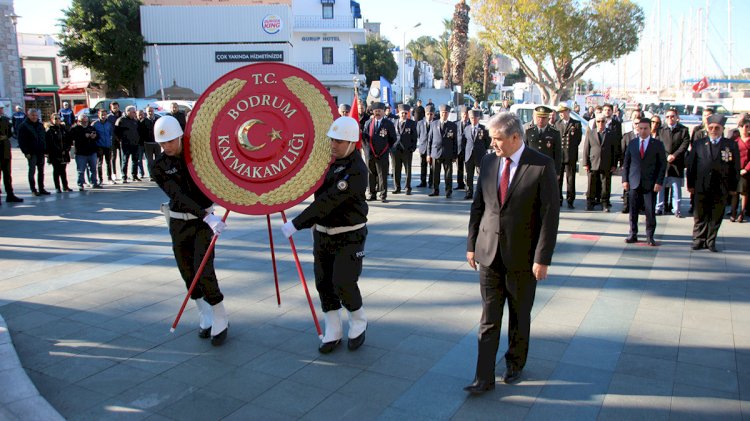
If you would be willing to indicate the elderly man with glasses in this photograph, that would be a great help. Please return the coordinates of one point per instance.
(599, 160)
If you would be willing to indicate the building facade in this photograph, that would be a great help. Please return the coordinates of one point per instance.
(11, 80)
(194, 42)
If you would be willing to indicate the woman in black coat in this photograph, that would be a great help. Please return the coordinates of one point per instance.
(58, 153)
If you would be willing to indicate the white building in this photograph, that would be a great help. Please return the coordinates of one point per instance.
(406, 74)
(194, 42)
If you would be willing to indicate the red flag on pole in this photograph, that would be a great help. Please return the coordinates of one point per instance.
(701, 85)
(354, 113)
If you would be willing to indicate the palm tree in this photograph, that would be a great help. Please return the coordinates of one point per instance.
(459, 41)
(486, 70)
(444, 49)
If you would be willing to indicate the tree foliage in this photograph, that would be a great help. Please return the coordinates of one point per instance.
(425, 48)
(376, 60)
(556, 41)
(459, 41)
(105, 36)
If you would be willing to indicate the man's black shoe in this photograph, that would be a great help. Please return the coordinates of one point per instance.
(631, 239)
(650, 241)
(448, 195)
(397, 191)
(479, 387)
(589, 208)
(434, 193)
(461, 187)
(511, 376)
(697, 246)
(713, 249)
(421, 185)
(468, 196)
(660, 212)
(328, 347)
(408, 192)
(383, 200)
(357, 342)
(625, 210)
(220, 338)
(204, 333)
(570, 205)
(12, 198)
(44, 192)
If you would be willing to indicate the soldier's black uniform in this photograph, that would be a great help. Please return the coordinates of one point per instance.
(403, 151)
(546, 141)
(339, 205)
(570, 137)
(377, 139)
(190, 236)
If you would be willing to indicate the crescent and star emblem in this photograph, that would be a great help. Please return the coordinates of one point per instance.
(245, 141)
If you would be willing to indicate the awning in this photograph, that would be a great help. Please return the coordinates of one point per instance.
(38, 94)
(43, 88)
(356, 11)
(77, 88)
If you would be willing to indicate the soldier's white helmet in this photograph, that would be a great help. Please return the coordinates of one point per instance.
(167, 128)
(344, 128)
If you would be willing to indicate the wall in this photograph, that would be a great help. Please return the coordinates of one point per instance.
(10, 65)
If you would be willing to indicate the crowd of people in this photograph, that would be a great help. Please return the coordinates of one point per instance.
(112, 146)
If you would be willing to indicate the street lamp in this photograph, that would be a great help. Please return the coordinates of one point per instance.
(403, 60)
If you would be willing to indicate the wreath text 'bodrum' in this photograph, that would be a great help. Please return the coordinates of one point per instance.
(256, 140)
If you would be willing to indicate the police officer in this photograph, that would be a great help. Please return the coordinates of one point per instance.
(475, 142)
(570, 135)
(192, 224)
(66, 114)
(442, 147)
(378, 136)
(544, 138)
(403, 149)
(338, 216)
(712, 175)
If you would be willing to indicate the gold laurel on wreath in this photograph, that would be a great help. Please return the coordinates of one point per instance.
(218, 183)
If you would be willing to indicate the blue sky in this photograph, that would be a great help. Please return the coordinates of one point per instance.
(397, 15)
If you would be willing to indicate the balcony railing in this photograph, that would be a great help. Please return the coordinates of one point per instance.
(317, 68)
(317, 22)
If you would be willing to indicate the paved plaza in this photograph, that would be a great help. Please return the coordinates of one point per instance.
(89, 289)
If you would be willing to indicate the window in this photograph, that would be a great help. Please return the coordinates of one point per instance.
(327, 11)
(327, 55)
(65, 71)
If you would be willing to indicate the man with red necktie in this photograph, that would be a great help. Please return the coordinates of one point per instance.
(512, 235)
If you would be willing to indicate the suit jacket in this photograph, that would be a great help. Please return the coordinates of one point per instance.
(406, 136)
(600, 156)
(713, 170)
(626, 138)
(475, 147)
(647, 171)
(382, 139)
(522, 231)
(676, 142)
(546, 141)
(614, 128)
(570, 136)
(443, 143)
(423, 131)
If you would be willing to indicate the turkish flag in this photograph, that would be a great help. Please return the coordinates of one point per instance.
(354, 113)
(701, 85)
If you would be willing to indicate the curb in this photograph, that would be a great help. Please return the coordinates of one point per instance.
(20, 400)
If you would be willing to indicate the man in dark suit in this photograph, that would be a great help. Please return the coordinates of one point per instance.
(423, 133)
(570, 135)
(699, 132)
(403, 149)
(442, 146)
(635, 117)
(676, 140)
(418, 113)
(712, 174)
(643, 169)
(461, 124)
(475, 142)
(599, 161)
(543, 137)
(378, 137)
(512, 235)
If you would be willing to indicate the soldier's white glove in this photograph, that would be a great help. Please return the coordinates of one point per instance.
(216, 224)
(288, 229)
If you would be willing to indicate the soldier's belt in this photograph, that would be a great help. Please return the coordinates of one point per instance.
(338, 230)
(187, 216)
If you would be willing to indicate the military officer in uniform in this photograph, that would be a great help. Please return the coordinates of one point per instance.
(192, 225)
(570, 135)
(442, 146)
(544, 138)
(461, 124)
(423, 133)
(475, 142)
(338, 216)
(403, 149)
(712, 175)
(378, 137)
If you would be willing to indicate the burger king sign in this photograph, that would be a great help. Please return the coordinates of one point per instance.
(271, 24)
